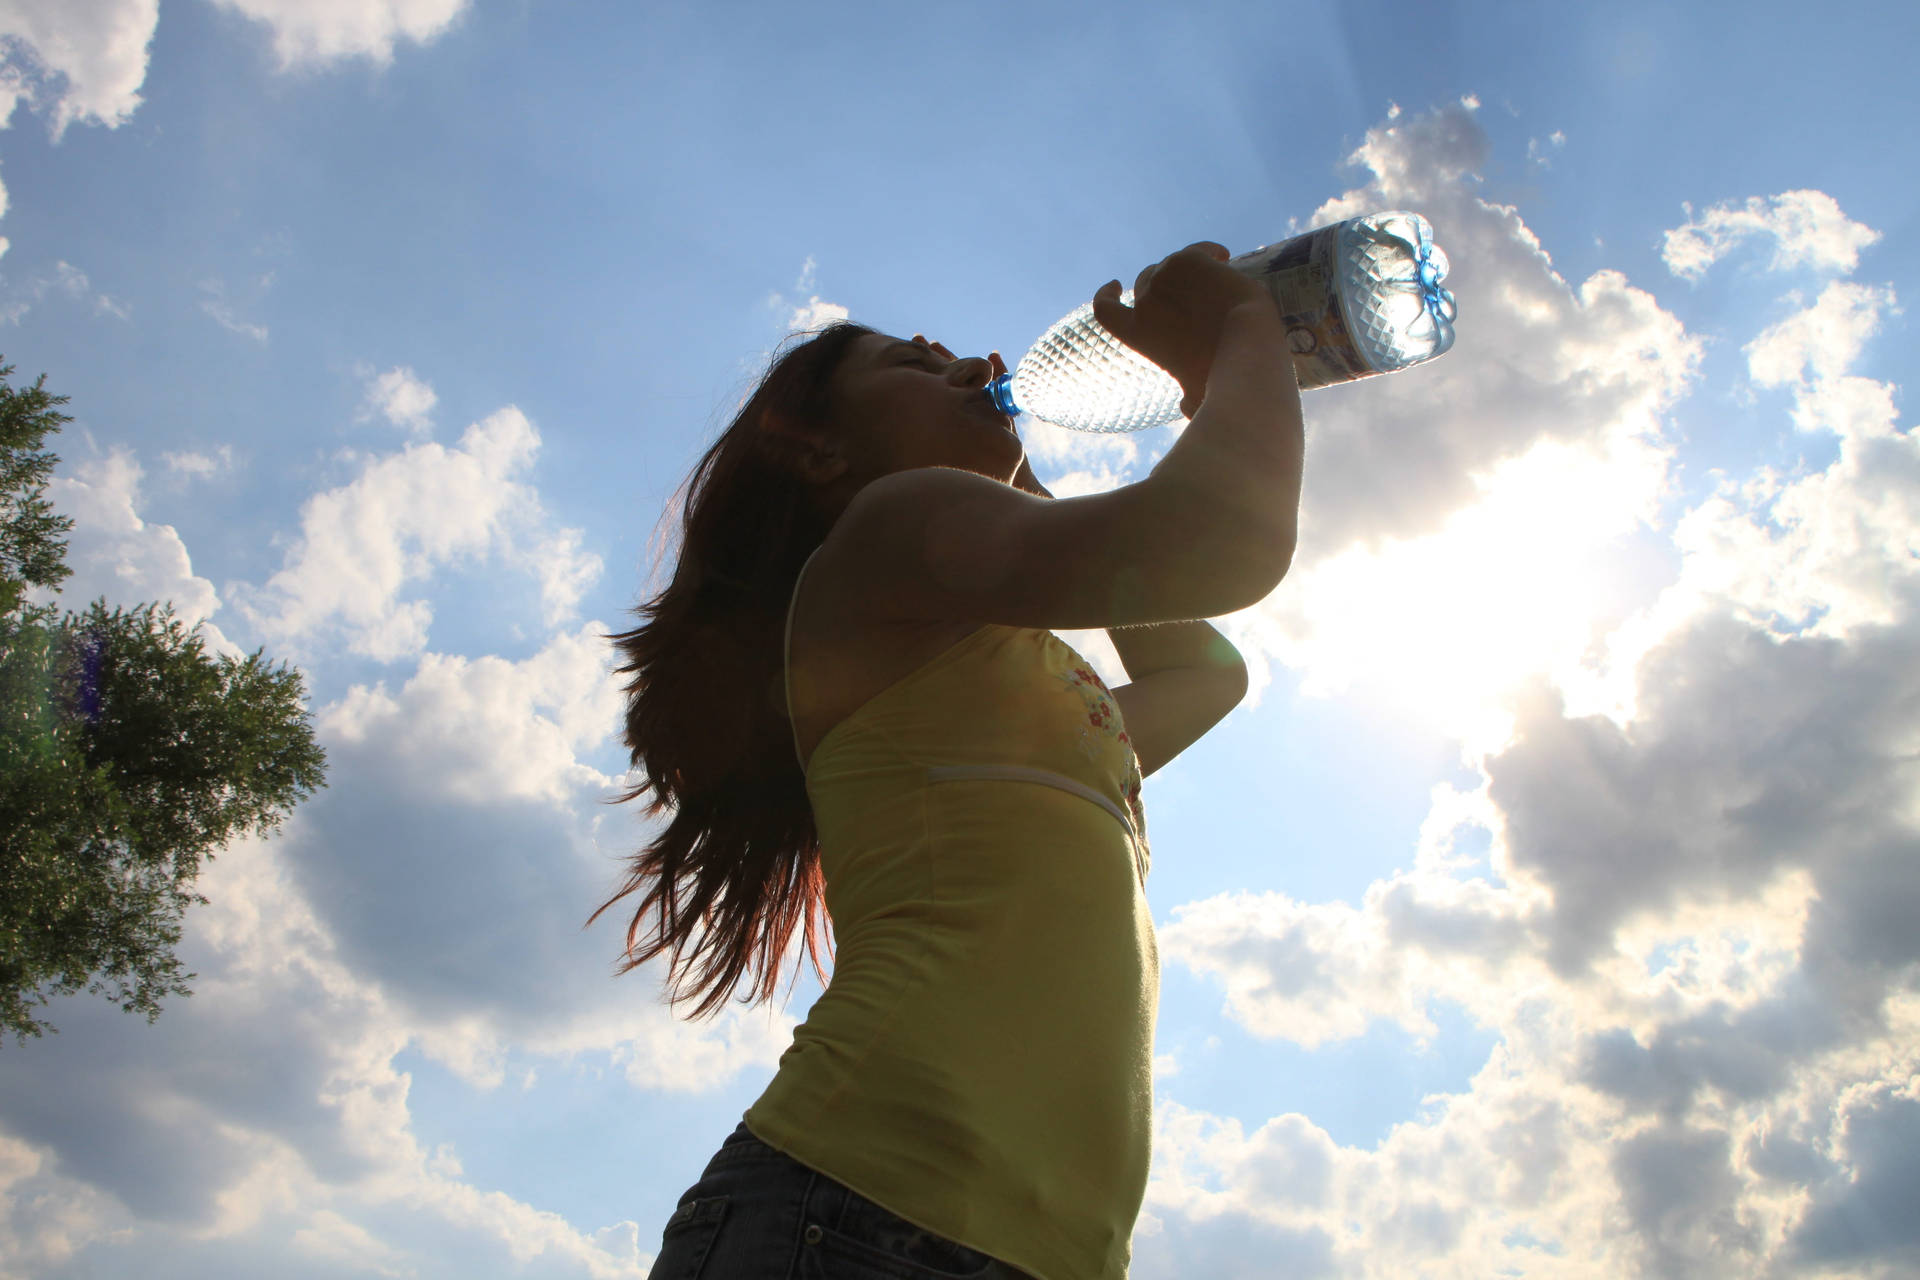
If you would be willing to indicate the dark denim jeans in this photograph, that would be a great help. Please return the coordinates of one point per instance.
(756, 1214)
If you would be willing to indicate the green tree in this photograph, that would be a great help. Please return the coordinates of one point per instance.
(128, 757)
(32, 552)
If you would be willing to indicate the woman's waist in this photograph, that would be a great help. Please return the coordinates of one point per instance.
(978, 857)
(883, 796)
(1056, 1015)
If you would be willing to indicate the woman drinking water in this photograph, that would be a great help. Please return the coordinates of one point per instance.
(849, 700)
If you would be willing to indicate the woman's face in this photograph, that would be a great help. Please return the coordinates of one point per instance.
(902, 404)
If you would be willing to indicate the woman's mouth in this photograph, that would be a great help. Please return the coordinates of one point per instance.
(986, 402)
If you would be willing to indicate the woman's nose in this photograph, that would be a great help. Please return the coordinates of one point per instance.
(970, 372)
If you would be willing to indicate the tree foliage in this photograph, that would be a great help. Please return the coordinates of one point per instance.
(32, 552)
(128, 757)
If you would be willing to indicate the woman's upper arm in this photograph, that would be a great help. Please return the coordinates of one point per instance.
(937, 544)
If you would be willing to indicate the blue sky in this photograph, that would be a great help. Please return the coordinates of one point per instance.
(1547, 910)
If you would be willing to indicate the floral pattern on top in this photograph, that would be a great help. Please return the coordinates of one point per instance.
(1103, 722)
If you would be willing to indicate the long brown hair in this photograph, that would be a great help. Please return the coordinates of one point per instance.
(737, 867)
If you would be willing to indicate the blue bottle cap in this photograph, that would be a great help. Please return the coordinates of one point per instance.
(1001, 389)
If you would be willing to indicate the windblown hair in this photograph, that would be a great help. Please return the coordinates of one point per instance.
(736, 870)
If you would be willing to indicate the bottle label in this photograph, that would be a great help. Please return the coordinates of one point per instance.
(1302, 275)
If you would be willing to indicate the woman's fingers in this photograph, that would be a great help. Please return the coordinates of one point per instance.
(1114, 316)
(1202, 248)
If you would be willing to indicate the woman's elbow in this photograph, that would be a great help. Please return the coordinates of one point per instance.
(1254, 567)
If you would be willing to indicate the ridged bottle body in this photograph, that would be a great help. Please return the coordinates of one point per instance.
(1359, 298)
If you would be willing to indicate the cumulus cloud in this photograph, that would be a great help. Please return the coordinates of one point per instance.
(80, 61)
(477, 769)
(403, 399)
(200, 466)
(406, 517)
(1689, 927)
(1807, 229)
(76, 61)
(799, 314)
(1830, 552)
(116, 554)
(1680, 894)
(1537, 360)
(45, 1218)
(430, 901)
(1861, 1210)
(1305, 973)
(1456, 516)
(1821, 341)
(485, 728)
(1072, 463)
(264, 1122)
(316, 32)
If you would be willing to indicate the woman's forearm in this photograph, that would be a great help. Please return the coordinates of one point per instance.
(1240, 458)
(1185, 678)
(1166, 646)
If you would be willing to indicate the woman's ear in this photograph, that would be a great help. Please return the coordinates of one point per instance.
(821, 462)
(818, 459)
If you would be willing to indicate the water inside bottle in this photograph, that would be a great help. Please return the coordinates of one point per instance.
(1078, 375)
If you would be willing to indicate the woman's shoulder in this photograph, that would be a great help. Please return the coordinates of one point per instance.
(843, 651)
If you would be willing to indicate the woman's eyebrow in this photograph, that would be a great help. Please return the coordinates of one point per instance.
(896, 347)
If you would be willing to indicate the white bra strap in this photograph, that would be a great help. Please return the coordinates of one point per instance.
(786, 658)
(1046, 778)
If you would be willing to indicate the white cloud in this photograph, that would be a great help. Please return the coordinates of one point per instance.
(1304, 973)
(298, 1145)
(565, 570)
(224, 315)
(307, 32)
(404, 518)
(1447, 624)
(814, 313)
(402, 399)
(800, 316)
(83, 61)
(1541, 154)
(1690, 930)
(216, 303)
(1823, 340)
(1833, 552)
(1072, 463)
(64, 280)
(1575, 1151)
(342, 1242)
(267, 1120)
(116, 554)
(485, 728)
(1807, 229)
(1458, 517)
(200, 466)
(45, 1218)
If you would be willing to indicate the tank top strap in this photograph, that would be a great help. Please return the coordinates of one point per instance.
(786, 656)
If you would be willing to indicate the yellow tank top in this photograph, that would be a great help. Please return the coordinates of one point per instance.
(981, 1062)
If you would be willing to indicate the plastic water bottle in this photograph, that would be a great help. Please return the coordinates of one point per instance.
(1359, 298)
